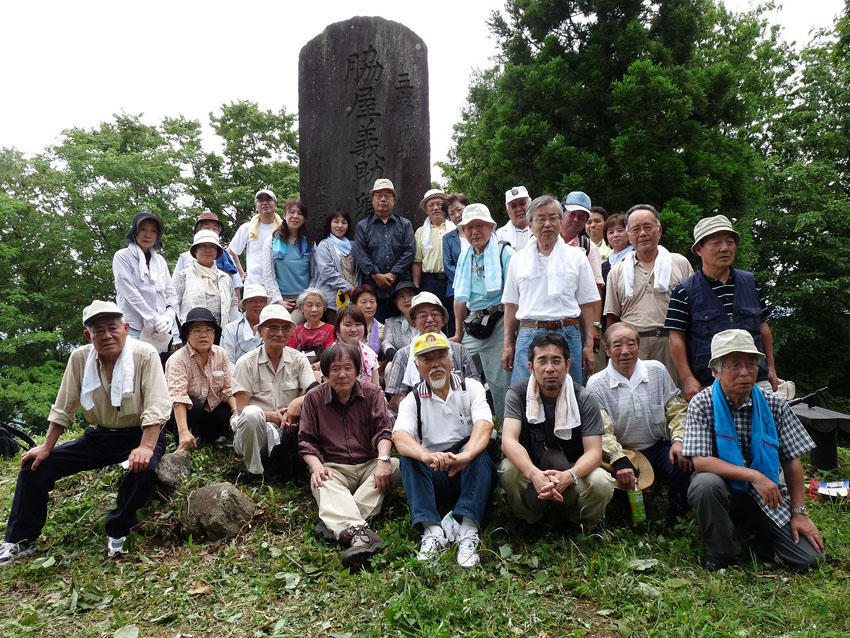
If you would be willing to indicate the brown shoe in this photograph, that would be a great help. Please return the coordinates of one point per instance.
(364, 544)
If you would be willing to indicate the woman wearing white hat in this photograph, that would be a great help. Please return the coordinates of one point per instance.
(479, 314)
(202, 284)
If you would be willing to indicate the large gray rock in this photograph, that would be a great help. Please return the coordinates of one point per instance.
(173, 468)
(216, 511)
(363, 114)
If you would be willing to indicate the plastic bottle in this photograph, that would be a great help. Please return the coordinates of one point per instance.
(638, 509)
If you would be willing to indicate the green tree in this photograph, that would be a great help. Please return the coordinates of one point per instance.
(628, 101)
(802, 237)
(258, 148)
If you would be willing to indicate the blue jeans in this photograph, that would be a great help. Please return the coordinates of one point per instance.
(524, 339)
(469, 489)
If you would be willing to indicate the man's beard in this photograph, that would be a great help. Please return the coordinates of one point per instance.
(439, 384)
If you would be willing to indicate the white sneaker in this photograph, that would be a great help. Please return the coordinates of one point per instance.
(467, 550)
(9, 552)
(115, 546)
(451, 528)
(432, 546)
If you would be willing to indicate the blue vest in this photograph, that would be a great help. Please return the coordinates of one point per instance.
(708, 317)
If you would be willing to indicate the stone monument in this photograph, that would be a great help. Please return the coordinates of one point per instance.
(363, 114)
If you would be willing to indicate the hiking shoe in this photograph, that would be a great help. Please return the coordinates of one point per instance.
(432, 547)
(115, 546)
(451, 528)
(322, 533)
(467, 550)
(364, 544)
(10, 552)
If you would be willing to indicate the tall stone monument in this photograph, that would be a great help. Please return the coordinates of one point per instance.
(363, 114)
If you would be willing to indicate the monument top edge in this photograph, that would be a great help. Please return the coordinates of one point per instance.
(353, 20)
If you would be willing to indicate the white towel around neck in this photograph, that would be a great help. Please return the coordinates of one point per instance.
(123, 377)
(663, 270)
(426, 232)
(567, 415)
(530, 265)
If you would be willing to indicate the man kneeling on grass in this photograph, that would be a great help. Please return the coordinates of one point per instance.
(119, 383)
(345, 439)
(738, 437)
(442, 432)
(552, 440)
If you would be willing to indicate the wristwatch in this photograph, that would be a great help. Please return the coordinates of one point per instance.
(572, 473)
(800, 510)
(597, 324)
(385, 458)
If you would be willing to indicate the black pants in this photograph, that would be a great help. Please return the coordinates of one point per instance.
(97, 447)
(207, 426)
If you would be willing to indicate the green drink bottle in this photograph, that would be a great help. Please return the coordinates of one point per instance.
(636, 503)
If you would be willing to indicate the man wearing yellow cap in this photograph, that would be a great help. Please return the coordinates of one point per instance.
(442, 432)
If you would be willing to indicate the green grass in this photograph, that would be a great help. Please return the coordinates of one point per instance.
(275, 579)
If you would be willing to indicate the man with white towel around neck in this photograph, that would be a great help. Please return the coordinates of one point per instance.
(639, 288)
(120, 385)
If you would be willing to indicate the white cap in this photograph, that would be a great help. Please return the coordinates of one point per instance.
(517, 192)
(274, 312)
(266, 191)
(98, 308)
(252, 291)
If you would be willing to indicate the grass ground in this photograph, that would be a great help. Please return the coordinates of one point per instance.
(275, 579)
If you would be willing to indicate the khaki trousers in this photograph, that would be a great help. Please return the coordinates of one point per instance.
(658, 348)
(349, 497)
(586, 501)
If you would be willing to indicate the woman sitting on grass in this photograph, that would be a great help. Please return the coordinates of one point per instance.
(199, 382)
(314, 335)
(351, 328)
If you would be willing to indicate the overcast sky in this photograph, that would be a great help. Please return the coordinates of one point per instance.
(75, 63)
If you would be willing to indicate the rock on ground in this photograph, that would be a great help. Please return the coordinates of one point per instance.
(173, 468)
(216, 511)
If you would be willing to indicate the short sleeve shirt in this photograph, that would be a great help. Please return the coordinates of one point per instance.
(268, 388)
(187, 380)
(444, 422)
(254, 258)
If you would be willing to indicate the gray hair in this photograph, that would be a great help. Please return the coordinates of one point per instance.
(543, 200)
(638, 207)
(302, 298)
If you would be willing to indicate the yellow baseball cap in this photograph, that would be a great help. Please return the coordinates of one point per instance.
(428, 342)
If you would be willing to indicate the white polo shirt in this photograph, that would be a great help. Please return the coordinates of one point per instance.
(444, 423)
(530, 291)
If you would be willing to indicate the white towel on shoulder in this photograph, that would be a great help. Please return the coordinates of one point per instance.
(663, 270)
(123, 376)
(567, 415)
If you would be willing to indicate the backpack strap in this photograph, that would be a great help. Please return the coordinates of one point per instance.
(585, 243)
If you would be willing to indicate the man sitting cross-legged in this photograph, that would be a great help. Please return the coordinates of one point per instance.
(345, 438)
(442, 432)
(552, 440)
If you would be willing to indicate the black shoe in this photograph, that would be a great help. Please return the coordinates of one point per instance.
(252, 480)
(364, 544)
(714, 563)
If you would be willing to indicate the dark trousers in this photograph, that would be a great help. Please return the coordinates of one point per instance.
(678, 480)
(468, 491)
(97, 447)
(207, 426)
(729, 517)
(437, 283)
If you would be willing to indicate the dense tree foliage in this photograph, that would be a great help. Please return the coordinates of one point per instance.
(64, 212)
(694, 109)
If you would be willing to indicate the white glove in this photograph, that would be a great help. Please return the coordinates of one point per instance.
(162, 323)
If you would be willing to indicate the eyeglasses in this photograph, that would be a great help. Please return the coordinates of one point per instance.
(551, 219)
(201, 332)
(277, 329)
(750, 366)
(643, 228)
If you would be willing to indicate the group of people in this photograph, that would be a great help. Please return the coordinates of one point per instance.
(426, 342)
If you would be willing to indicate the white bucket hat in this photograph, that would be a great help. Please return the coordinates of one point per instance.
(430, 194)
(730, 341)
(426, 298)
(206, 237)
(712, 225)
(382, 184)
(252, 291)
(475, 212)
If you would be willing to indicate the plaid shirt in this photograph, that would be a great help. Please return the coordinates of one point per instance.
(794, 441)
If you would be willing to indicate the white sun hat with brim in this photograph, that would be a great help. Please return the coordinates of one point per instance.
(730, 341)
(476, 212)
(274, 312)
